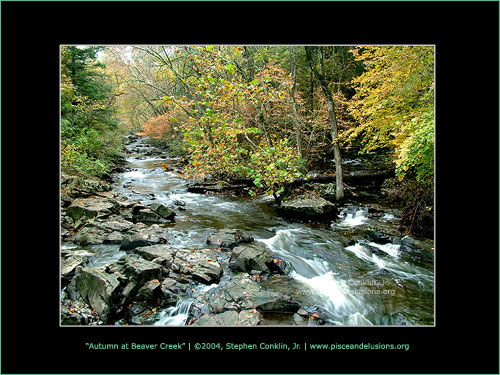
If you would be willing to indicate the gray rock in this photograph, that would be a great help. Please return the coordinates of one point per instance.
(114, 238)
(230, 318)
(92, 207)
(129, 291)
(197, 264)
(378, 237)
(77, 313)
(308, 208)
(141, 271)
(228, 238)
(254, 257)
(100, 289)
(299, 320)
(113, 223)
(150, 292)
(172, 290)
(416, 251)
(127, 244)
(241, 293)
(69, 265)
(163, 211)
(90, 236)
(200, 265)
(147, 216)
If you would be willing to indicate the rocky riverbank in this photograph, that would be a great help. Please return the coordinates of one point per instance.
(227, 278)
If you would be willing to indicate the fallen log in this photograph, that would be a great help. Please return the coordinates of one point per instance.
(357, 178)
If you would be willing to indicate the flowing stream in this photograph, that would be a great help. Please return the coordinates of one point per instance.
(332, 266)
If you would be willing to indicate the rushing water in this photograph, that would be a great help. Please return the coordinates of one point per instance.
(332, 265)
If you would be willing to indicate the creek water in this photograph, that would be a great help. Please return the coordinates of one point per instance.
(331, 265)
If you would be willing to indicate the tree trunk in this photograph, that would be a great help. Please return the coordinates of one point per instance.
(296, 119)
(332, 119)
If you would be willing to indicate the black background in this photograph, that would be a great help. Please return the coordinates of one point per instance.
(465, 339)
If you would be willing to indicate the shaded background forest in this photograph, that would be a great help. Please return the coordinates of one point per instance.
(269, 113)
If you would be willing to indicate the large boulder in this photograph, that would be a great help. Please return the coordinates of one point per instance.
(69, 264)
(73, 187)
(230, 318)
(207, 186)
(150, 291)
(416, 251)
(113, 223)
(173, 290)
(201, 265)
(116, 230)
(148, 216)
(308, 208)
(75, 312)
(228, 238)
(254, 257)
(90, 236)
(143, 235)
(141, 271)
(196, 264)
(162, 211)
(91, 207)
(101, 290)
(242, 293)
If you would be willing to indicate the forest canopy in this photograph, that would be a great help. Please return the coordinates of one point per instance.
(269, 113)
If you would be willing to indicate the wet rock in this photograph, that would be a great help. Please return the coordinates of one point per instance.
(254, 257)
(73, 187)
(308, 208)
(197, 264)
(77, 313)
(299, 320)
(230, 318)
(66, 199)
(113, 223)
(378, 237)
(128, 211)
(129, 290)
(172, 290)
(92, 207)
(102, 290)
(93, 186)
(66, 222)
(163, 211)
(90, 236)
(66, 253)
(416, 251)
(153, 233)
(65, 234)
(147, 216)
(201, 265)
(162, 253)
(69, 265)
(208, 186)
(127, 244)
(241, 293)
(150, 292)
(141, 271)
(374, 250)
(117, 230)
(228, 238)
(405, 319)
(114, 238)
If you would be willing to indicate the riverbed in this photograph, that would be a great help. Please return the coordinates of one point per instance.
(336, 267)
